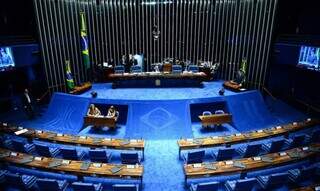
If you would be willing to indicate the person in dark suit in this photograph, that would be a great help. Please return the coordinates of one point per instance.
(27, 104)
(132, 61)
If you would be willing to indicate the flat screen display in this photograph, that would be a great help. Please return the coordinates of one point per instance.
(309, 57)
(6, 59)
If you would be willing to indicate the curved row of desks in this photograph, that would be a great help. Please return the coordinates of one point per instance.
(245, 165)
(92, 142)
(79, 168)
(206, 142)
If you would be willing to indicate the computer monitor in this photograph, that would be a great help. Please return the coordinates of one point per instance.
(309, 57)
(6, 59)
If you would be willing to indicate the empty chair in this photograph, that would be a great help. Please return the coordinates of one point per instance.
(125, 187)
(3, 176)
(194, 157)
(176, 69)
(250, 150)
(136, 69)
(274, 146)
(314, 137)
(80, 186)
(44, 150)
(72, 154)
(299, 175)
(99, 155)
(51, 184)
(193, 68)
(130, 158)
(241, 185)
(273, 181)
(207, 186)
(119, 69)
(297, 141)
(22, 146)
(224, 154)
(20, 181)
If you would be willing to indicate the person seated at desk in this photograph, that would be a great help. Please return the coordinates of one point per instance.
(112, 112)
(93, 111)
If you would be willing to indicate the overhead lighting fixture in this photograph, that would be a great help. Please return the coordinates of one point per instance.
(154, 2)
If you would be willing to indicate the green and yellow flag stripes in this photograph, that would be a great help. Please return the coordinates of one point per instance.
(70, 82)
(84, 41)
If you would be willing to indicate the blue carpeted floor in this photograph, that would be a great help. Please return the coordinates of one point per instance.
(161, 116)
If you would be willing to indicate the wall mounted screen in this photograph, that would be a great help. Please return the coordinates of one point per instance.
(6, 59)
(309, 58)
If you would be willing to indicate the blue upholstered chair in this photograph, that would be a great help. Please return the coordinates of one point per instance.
(193, 68)
(297, 141)
(207, 186)
(250, 150)
(130, 158)
(194, 157)
(44, 150)
(22, 146)
(3, 176)
(274, 146)
(51, 184)
(273, 181)
(136, 69)
(119, 69)
(224, 154)
(299, 175)
(314, 137)
(80, 186)
(241, 185)
(125, 187)
(23, 182)
(72, 154)
(176, 69)
(98, 155)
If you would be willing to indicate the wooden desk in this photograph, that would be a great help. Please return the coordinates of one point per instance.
(92, 142)
(249, 164)
(307, 188)
(101, 121)
(232, 86)
(81, 89)
(206, 142)
(71, 166)
(215, 119)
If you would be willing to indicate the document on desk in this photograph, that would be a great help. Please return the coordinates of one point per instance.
(6, 154)
(266, 159)
(85, 165)
(115, 169)
(97, 140)
(26, 159)
(210, 166)
(55, 163)
(125, 142)
(239, 164)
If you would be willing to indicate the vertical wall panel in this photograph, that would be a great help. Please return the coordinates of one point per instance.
(224, 31)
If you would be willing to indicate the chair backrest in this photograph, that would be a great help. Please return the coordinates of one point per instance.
(98, 155)
(297, 140)
(206, 113)
(124, 187)
(195, 156)
(276, 145)
(18, 145)
(48, 184)
(43, 150)
(219, 112)
(129, 158)
(193, 68)
(119, 69)
(252, 150)
(245, 184)
(207, 186)
(307, 172)
(80, 186)
(136, 69)
(277, 179)
(69, 153)
(315, 136)
(225, 154)
(176, 69)
(14, 179)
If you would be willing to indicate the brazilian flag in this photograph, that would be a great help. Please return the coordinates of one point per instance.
(84, 41)
(70, 82)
